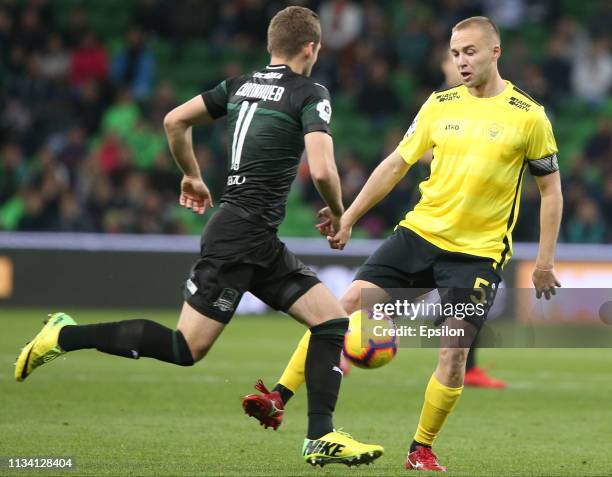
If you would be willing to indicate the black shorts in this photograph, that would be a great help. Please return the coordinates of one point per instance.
(239, 255)
(406, 260)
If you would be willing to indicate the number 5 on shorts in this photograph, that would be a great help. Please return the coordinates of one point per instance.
(480, 295)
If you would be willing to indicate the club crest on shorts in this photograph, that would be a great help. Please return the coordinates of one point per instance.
(227, 300)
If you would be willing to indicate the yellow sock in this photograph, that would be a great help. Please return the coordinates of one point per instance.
(439, 402)
(293, 376)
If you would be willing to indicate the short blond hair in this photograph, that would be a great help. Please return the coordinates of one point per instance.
(291, 29)
(484, 23)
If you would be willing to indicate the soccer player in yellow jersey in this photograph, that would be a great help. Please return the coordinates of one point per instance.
(484, 133)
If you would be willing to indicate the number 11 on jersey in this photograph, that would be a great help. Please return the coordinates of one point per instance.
(245, 116)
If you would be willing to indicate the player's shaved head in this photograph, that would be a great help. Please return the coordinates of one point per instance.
(291, 29)
(484, 24)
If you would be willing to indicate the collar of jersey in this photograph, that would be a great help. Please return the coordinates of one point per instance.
(501, 95)
(276, 67)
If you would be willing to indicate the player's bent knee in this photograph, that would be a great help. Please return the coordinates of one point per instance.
(351, 301)
(199, 332)
(182, 351)
(197, 351)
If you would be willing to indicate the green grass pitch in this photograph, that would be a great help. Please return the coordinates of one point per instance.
(121, 417)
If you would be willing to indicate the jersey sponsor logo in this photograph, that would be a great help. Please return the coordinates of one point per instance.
(227, 300)
(324, 109)
(452, 127)
(235, 180)
(412, 128)
(265, 92)
(514, 101)
(271, 75)
(494, 131)
(447, 96)
(330, 449)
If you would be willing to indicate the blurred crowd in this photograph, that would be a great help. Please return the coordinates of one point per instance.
(84, 89)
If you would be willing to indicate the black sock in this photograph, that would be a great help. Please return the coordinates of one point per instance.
(414, 445)
(131, 339)
(471, 357)
(285, 393)
(323, 374)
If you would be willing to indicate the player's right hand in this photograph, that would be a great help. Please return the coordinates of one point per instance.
(195, 195)
(341, 238)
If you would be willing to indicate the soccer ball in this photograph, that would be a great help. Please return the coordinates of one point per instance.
(363, 346)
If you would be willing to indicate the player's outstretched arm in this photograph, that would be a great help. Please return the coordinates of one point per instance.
(384, 178)
(178, 124)
(320, 153)
(551, 209)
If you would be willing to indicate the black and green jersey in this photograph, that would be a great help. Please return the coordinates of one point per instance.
(268, 113)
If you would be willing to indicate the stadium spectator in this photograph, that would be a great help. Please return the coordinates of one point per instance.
(134, 67)
(31, 32)
(72, 217)
(6, 33)
(152, 16)
(414, 43)
(110, 154)
(35, 218)
(508, 14)
(353, 175)
(89, 61)
(12, 171)
(587, 226)
(54, 60)
(592, 72)
(163, 100)
(77, 27)
(71, 151)
(557, 70)
(89, 105)
(375, 97)
(341, 25)
(599, 147)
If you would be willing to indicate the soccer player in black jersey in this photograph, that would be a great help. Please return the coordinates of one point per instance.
(272, 115)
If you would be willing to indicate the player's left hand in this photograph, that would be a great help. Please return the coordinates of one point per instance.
(341, 238)
(329, 224)
(195, 195)
(545, 282)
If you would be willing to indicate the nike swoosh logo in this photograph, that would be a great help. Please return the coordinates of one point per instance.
(336, 368)
(274, 411)
(415, 465)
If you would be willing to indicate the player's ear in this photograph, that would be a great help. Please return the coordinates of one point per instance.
(496, 52)
(309, 49)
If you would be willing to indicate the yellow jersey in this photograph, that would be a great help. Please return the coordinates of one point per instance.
(481, 147)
